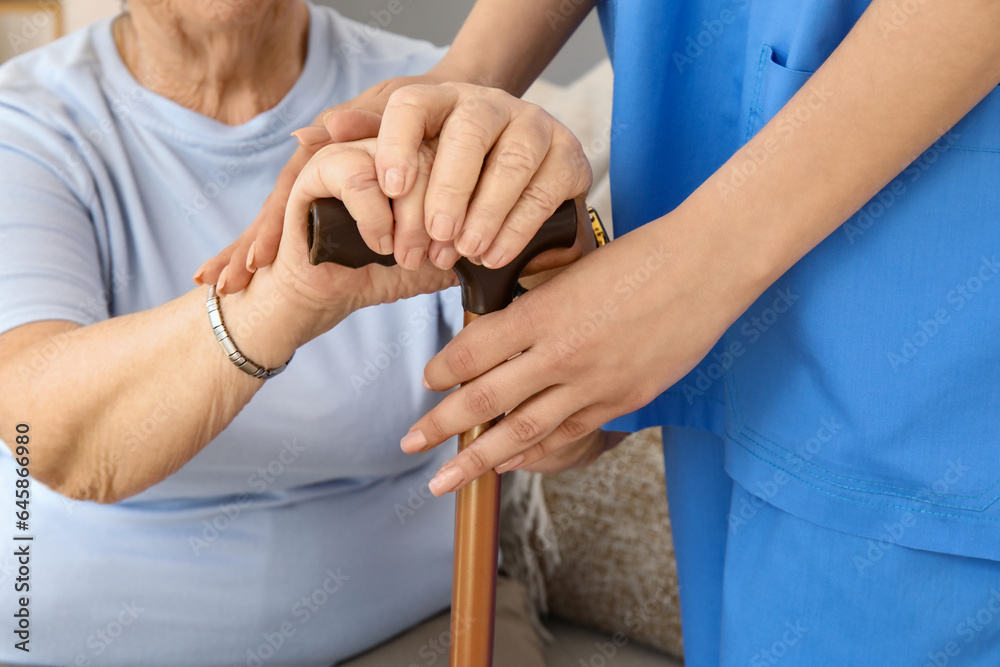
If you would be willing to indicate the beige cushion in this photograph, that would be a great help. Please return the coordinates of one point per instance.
(616, 570)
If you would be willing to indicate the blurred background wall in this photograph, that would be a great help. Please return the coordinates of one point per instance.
(25, 24)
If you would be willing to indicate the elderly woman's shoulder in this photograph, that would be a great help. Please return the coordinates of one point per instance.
(70, 57)
(53, 78)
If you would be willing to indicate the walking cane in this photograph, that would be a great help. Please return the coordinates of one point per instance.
(333, 237)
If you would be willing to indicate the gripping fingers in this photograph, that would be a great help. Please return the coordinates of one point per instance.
(477, 402)
(412, 114)
(410, 239)
(467, 136)
(347, 172)
(554, 451)
(486, 343)
(509, 168)
(524, 428)
(564, 174)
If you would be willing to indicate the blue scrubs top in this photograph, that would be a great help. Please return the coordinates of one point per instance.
(863, 385)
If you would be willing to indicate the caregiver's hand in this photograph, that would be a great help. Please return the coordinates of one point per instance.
(503, 166)
(578, 454)
(257, 246)
(599, 340)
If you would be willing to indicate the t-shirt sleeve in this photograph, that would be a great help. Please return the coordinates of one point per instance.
(50, 264)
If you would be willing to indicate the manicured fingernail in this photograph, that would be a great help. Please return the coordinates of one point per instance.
(326, 117)
(394, 182)
(446, 258)
(427, 385)
(468, 244)
(250, 265)
(494, 258)
(510, 464)
(414, 258)
(442, 227)
(385, 245)
(413, 442)
(197, 275)
(446, 480)
(307, 136)
(220, 286)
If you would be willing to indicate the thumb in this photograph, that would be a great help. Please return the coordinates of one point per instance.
(351, 124)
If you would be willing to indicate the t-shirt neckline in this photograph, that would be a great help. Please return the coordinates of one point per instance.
(187, 125)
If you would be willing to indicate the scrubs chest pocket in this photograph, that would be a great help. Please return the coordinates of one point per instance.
(870, 369)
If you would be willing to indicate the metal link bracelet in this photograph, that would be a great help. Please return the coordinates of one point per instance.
(229, 347)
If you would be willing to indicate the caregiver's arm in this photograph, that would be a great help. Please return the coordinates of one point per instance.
(117, 406)
(507, 43)
(877, 102)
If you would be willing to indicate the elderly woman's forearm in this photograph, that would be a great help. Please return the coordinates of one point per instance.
(125, 402)
(507, 43)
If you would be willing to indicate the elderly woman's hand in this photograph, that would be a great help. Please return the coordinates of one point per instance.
(257, 247)
(347, 171)
(503, 167)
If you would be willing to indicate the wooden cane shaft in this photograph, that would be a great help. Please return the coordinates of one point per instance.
(473, 597)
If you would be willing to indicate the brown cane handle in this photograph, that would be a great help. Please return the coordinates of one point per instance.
(334, 237)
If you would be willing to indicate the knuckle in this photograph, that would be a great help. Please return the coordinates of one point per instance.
(434, 428)
(469, 132)
(482, 401)
(450, 193)
(573, 429)
(523, 428)
(539, 117)
(480, 462)
(542, 449)
(407, 97)
(513, 236)
(460, 360)
(517, 156)
(540, 197)
(359, 181)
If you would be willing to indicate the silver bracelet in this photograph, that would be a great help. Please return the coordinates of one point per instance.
(229, 347)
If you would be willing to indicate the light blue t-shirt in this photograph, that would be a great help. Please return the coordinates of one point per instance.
(861, 390)
(302, 534)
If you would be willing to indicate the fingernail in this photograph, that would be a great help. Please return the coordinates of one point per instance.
(510, 464)
(326, 117)
(494, 258)
(414, 258)
(477, 260)
(220, 286)
(197, 276)
(250, 265)
(413, 442)
(447, 480)
(385, 245)
(446, 258)
(394, 182)
(427, 385)
(468, 244)
(442, 227)
(307, 136)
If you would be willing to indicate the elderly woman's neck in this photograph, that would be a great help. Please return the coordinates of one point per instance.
(230, 72)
